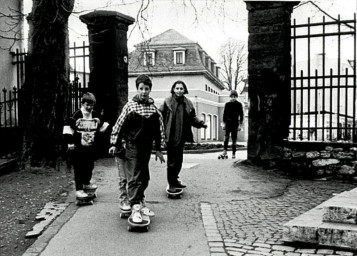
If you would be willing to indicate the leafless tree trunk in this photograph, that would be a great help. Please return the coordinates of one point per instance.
(45, 93)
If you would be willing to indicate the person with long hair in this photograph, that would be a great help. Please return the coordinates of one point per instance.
(179, 116)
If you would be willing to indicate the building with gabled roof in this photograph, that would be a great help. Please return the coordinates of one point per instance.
(170, 56)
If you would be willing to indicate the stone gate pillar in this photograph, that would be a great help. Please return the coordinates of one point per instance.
(108, 60)
(269, 63)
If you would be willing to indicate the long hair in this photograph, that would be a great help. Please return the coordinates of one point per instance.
(179, 82)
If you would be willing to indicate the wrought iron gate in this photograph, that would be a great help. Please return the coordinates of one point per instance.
(323, 84)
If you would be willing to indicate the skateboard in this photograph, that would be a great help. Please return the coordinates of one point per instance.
(223, 156)
(85, 201)
(144, 225)
(124, 214)
(177, 194)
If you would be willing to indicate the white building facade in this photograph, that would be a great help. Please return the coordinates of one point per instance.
(171, 56)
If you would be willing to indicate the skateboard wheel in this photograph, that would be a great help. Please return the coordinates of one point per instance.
(129, 228)
(147, 229)
(121, 215)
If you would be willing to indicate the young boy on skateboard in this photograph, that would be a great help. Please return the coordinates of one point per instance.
(232, 118)
(80, 134)
(144, 126)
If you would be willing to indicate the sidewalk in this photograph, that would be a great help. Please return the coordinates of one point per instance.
(225, 211)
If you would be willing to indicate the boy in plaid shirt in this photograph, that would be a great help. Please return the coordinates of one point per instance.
(138, 126)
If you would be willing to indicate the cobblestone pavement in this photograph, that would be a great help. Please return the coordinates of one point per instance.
(254, 226)
(225, 211)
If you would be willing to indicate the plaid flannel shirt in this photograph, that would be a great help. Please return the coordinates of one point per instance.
(141, 109)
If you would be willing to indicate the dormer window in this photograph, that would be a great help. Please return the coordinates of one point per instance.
(179, 56)
(149, 58)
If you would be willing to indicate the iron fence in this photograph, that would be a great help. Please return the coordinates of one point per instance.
(323, 84)
(9, 108)
(79, 76)
(10, 114)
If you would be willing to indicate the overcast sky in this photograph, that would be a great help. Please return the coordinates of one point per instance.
(210, 23)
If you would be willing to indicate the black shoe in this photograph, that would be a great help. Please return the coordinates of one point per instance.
(180, 185)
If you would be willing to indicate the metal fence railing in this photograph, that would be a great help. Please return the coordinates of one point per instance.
(10, 114)
(9, 108)
(323, 84)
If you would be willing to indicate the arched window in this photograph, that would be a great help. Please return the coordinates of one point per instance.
(214, 127)
(203, 131)
(209, 127)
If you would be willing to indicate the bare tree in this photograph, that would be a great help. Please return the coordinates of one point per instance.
(11, 20)
(45, 92)
(233, 60)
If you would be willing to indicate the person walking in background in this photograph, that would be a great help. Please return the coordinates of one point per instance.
(80, 135)
(138, 126)
(232, 119)
(179, 116)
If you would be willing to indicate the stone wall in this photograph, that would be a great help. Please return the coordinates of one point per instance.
(317, 160)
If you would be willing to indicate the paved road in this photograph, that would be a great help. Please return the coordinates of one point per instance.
(225, 210)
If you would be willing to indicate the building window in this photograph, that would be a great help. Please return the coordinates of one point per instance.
(214, 127)
(203, 131)
(179, 57)
(149, 59)
(209, 127)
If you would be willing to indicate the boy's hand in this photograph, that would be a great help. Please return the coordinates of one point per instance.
(112, 150)
(71, 147)
(79, 120)
(96, 119)
(160, 156)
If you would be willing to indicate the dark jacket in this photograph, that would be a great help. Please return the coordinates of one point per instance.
(167, 113)
(139, 123)
(233, 114)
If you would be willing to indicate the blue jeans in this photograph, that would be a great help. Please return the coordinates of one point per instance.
(124, 175)
(137, 159)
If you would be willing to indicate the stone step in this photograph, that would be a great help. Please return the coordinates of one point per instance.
(310, 227)
(340, 214)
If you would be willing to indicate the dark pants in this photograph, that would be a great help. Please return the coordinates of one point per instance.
(231, 130)
(137, 157)
(82, 159)
(174, 163)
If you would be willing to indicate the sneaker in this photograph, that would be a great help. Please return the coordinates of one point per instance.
(136, 214)
(81, 194)
(90, 187)
(124, 206)
(172, 189)
(233, 156)
(146, 211)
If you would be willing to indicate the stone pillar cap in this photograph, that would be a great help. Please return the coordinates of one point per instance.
(97, 17)
(258, 4)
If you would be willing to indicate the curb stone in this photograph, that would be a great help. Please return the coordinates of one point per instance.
(42, 241)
